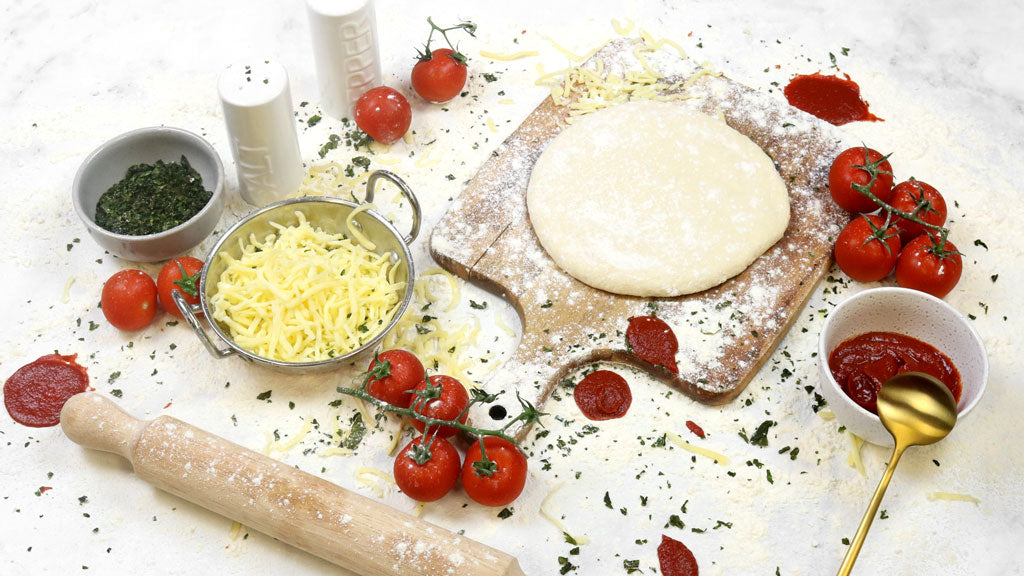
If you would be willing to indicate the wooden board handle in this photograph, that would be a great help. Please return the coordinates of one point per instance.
(293, 506)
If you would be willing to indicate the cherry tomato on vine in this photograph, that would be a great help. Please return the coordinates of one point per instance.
(866, 251)
(921, 200)
(129, 300)
(384, 114)
(929, 265)
(507, 474)
(179, 275)
(393, 374)
(450, 403)
(440, 76)
(844, 173)
(432, 477)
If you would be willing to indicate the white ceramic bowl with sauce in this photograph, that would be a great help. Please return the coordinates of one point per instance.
(108, 164)
(912, 313)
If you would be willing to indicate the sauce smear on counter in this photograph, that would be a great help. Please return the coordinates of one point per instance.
(650, 338)
(863, 363)
(603, 395)
(35, 394)
(833, 99)
(676, 559)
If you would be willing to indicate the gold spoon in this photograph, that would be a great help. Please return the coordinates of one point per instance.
(917, 409)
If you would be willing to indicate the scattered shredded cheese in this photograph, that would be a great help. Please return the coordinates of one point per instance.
(67, 290)
(236, 531)
(620, 29)
(853, 459)
(367, 475)
(718, 458)
(933, 496)
(581, 540)
(278, 446)
(508, 57)
(304, 295)
(827, 415)
(491, 125)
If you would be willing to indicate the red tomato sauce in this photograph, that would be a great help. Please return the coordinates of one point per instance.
(603, 395)
(676, 559)
(863, 363)
(833, 99)
(35, 394)
(652, 339)
(695, 428)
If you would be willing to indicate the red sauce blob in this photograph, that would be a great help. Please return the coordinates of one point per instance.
(603, 395)
(35, 393)
(695, 428)
(653, 340)
(833, 99)
(676, 559)
(863, 363)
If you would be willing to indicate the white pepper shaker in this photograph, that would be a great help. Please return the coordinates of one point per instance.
(261, 130)
(345, 48)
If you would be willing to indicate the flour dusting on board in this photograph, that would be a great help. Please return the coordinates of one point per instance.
(725, 333)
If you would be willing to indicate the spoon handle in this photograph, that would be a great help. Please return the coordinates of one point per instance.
(869, 516)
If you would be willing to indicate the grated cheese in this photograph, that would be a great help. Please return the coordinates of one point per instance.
(933, 496)
(508, 57)
(718, 458)
(581, 540)
(366, 475)
(67, 290)
(853, 458)
(304, 295)
(287, 445)
(620, 29)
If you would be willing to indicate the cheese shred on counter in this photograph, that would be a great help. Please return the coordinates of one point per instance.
(303, 295)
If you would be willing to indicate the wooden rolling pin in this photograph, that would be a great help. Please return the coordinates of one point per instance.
(295, 507)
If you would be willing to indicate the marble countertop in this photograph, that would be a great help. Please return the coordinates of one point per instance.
(945, 77)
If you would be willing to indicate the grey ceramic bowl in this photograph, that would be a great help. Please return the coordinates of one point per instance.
(107, 165)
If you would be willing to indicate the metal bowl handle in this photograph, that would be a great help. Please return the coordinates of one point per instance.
(188, 312)
(371, 184)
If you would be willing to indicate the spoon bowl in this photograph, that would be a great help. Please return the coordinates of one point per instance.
(917, 409)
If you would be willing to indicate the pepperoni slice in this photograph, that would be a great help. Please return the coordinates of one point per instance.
(35, 394)
(676, 559)
(695, 428)
(650, 338)
(603, 395)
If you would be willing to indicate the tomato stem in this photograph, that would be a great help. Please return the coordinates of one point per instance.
(459, 57)
(529, 415)
(873, 169)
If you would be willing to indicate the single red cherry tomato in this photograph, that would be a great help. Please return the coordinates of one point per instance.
(427, 478)
(921, 200)
(129, 300)
(393, 376)
(507, 475)
(450, 403)
(844, 173)
(865, 251)
(929, 265)
(179, 275)
(441, 76)
(384, 114)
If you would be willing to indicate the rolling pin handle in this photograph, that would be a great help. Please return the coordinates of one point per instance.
(95, 421)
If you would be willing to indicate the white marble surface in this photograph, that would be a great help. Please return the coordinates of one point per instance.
(944, 75)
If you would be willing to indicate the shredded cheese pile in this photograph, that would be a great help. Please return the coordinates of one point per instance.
(304, 295)
(585, 88)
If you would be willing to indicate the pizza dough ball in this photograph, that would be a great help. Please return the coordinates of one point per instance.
(651, 199)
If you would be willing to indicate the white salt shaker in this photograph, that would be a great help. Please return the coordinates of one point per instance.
(345, 49)
(261, 130)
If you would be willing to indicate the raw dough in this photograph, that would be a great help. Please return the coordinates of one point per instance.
(651, 199)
